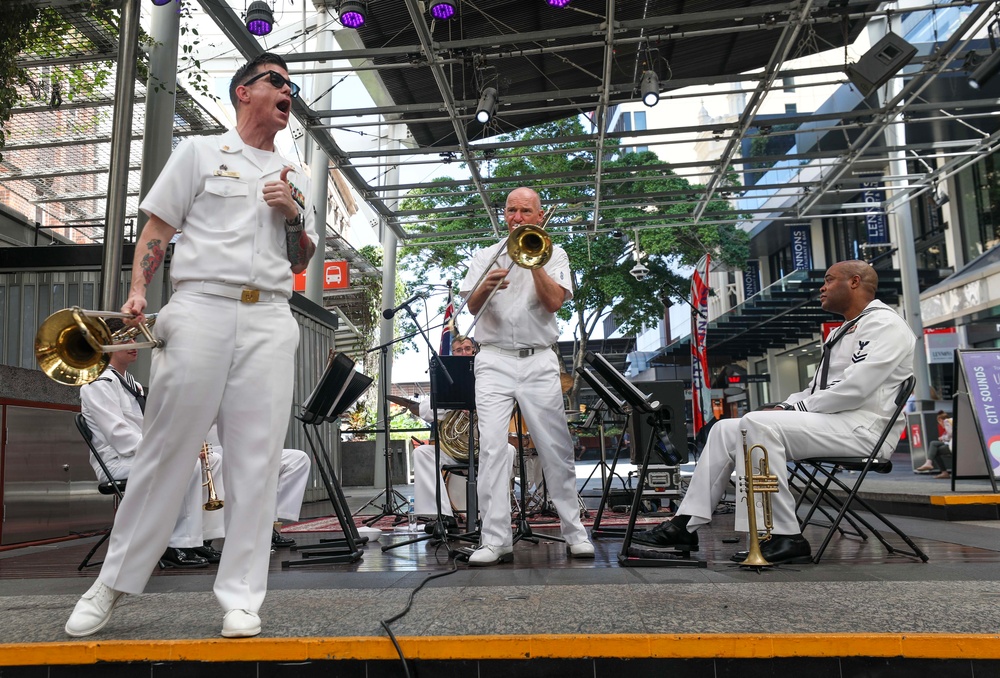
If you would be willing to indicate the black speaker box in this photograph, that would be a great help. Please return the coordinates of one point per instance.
(670, 394)
(881, 62)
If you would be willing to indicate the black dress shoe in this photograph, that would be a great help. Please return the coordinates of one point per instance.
(450, 525)
(781, 549)
(208, 553)
(666, 534)
(182, 558)
(279, 541)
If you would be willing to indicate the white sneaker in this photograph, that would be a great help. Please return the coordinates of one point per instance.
(240, 624)
(93, 610)
(582, 550)
(487, 555)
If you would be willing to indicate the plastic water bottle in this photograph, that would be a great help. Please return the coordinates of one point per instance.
(411, 516)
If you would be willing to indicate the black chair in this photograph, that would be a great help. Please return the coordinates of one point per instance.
(818, 476)
(108, 487)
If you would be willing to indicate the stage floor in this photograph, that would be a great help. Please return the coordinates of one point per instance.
(597, 606)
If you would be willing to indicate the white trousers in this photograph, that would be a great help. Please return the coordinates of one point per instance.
(424, 473)
(293, 476)
(227, 360)
(534, 383)
(786, 436)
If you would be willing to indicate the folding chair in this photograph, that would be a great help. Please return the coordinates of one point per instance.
(108, 487)
(819, 473)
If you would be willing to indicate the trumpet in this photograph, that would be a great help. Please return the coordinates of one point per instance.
(528, 246)
(764, 483)
(72, 345)
(213, 503)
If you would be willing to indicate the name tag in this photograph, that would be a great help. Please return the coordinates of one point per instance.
(225, 173)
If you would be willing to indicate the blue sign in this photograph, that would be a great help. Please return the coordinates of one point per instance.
(751, 278)
(873, 196)
(801, 247)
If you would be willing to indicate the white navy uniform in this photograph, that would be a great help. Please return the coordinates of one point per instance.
(866, 367)
(115, 419)
(516, 362)
(228, 356)
(424, 473)
(293, 477)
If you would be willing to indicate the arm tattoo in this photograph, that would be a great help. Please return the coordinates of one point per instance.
(151, 261)
(299, 248)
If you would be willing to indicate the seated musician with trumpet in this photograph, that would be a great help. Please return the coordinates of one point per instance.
(113, 406)
(517, 302)
(841, 413)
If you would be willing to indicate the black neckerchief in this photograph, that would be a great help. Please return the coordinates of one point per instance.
(137, 394)
(824, 364)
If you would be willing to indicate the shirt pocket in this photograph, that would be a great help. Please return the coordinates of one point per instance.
(226, 188)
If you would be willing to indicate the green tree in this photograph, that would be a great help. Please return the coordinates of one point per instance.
(600, 261)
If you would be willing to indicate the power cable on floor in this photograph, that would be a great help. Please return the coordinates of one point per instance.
(409, 603)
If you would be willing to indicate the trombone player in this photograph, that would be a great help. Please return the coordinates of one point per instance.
(841, 413)
(516, 362)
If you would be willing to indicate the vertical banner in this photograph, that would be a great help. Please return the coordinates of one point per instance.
(976, 438)
(801, 247)
(699, 356)
(449, 313)
(751, 278)
(872, 196)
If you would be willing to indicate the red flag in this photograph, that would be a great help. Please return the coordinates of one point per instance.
(699, 354)
(446, 337)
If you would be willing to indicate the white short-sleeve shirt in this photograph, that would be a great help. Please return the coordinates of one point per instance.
(515, 316)
(211, 191)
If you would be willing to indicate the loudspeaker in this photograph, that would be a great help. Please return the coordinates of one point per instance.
(880, 63)
(670, 394)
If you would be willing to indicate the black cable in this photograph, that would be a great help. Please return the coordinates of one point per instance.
(409, 603)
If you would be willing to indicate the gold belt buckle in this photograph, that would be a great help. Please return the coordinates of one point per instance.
(250, 296)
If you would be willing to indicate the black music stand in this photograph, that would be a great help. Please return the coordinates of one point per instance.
(453, 387)
(639, 405)
(339, 387)
(522, 528)
(615, 406)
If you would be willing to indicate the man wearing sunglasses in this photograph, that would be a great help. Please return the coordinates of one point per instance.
(230, 342)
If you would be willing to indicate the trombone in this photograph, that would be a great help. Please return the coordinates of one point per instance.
(72, 345)
(528, 246)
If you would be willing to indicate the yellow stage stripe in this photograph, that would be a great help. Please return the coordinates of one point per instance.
(623, 646)
(956, 499)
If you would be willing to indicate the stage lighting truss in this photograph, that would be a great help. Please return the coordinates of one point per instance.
(260, 18)
(558, 3)
(443, 9)
(353, 13)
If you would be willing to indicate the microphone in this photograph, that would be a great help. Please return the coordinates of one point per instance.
(390, 312)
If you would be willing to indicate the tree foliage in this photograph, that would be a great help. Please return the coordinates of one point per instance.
(668, 241)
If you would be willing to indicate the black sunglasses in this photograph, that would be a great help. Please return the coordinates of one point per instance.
(277, 82)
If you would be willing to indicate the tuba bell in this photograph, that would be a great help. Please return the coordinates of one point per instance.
(764, 483)
(72, 345)
(453, 434)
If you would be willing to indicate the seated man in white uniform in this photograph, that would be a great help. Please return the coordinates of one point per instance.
(293, 476)
(113, 406)
(841, 413)
(425, 471)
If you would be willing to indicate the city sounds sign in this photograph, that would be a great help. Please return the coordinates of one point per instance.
(976, 440)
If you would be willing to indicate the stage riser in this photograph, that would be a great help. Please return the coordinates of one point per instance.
(818, 667)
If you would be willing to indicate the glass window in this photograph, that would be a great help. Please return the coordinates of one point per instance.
(979, 196)
(13, 313)
(28, 327)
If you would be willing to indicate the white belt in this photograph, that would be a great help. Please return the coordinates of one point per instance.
(245, 294)
(515, 352)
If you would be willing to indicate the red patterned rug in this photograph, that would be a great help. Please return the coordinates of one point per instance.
(331, 524)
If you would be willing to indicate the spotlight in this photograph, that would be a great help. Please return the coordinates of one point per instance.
(443, 9)
(558, 3)
(161, 3)
(353, 13)
(260, 18)
(487, 105)
(650, 88)
(985, 71)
